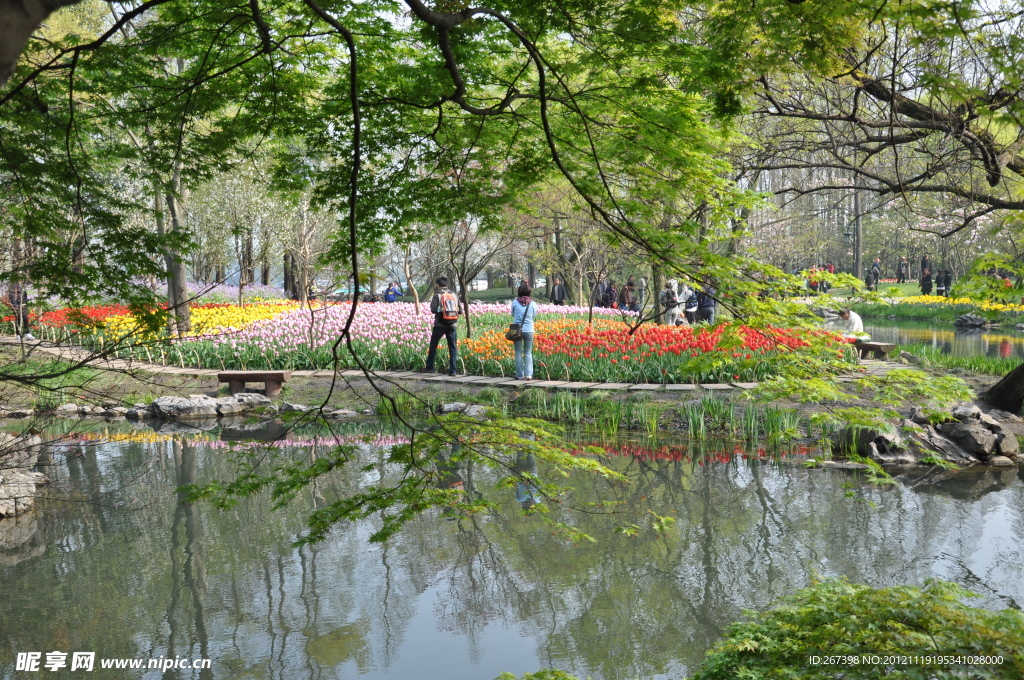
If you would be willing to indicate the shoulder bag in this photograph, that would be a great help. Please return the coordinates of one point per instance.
(515, 330)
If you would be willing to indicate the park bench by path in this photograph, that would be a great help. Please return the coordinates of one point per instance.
(879, 349)
(272, 380)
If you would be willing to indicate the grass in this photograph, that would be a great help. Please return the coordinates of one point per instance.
(493, 295)
(984, 365)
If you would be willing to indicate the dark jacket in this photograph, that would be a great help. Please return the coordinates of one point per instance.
(926, 284)
(435, 307)
(558, 292)
(705, 299)
(610, 296)
(625, 298)
(17, 296)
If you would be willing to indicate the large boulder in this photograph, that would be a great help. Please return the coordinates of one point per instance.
(20, 451)
(251, 400)
(18, 490)
(971, 320)
(180, 408)
(973, 437)
(1007, 445)
(927, 442)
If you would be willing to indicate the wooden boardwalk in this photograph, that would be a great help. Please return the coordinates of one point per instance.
(75, 354)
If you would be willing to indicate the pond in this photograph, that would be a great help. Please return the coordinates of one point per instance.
(126, 570)
(949, 339)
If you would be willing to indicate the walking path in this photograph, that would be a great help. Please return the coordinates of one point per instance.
(70, 353)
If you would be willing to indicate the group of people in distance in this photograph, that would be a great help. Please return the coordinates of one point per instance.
(630, 297)
(814, 281)
(686, 304)
(943, 282)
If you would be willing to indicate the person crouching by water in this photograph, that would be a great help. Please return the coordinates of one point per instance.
(523, 313)
(852, 325)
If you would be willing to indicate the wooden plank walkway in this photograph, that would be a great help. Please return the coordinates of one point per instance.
(874, 367)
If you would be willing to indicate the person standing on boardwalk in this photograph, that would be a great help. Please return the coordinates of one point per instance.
(445, 307)
(558, 292)
(523, 313)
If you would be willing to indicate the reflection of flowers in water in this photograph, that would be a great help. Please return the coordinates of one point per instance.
(137, 437)
(301, 442)
(698, 452)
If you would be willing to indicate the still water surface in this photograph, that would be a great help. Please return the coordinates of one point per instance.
(452, 599)
(949, 339)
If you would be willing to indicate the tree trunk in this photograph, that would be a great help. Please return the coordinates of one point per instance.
(288, 273)
(407, 266)
(464, 296)
(180, 319)
(1008, 393)
(265, 273)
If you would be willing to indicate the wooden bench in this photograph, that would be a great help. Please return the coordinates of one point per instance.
(272, 380)
(879, 349)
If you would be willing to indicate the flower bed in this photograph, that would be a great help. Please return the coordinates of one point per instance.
(571, 350)
(117, 320)
(282, 335)
(936, 308)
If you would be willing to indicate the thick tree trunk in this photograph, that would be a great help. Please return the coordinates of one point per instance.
(180, 319)
(1008, 393)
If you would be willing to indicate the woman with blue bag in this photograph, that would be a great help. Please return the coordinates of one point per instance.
(520, 332)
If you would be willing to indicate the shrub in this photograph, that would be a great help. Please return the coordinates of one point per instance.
(835, 617)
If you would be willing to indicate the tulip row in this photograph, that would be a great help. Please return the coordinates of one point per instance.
(282, 335)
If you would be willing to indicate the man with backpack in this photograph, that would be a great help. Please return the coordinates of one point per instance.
(445, 307)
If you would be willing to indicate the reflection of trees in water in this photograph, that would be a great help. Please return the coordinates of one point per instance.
(176, 578)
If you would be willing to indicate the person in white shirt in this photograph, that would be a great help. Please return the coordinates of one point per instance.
(852, 323)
